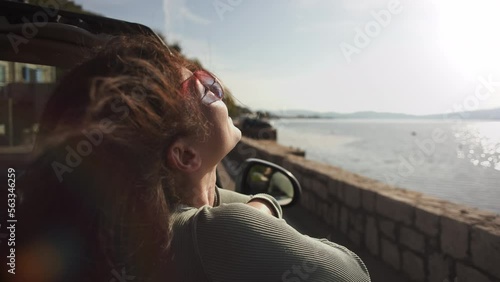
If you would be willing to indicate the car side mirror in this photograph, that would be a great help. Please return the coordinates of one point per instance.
(261, 176)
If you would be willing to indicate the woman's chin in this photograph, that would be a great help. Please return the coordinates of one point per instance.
(238, 133)
(236, 137)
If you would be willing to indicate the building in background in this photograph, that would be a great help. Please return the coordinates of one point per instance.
(24, 90)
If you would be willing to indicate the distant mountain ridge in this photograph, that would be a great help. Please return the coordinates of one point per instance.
(490, 114)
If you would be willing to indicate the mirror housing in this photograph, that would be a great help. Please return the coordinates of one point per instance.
(260, 176)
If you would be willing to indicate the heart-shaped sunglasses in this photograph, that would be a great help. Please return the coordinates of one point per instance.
(213, 90)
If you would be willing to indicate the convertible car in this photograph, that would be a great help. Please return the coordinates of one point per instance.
(37, 46)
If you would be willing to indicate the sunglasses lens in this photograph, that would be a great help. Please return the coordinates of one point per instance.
(216, 88)
(213, 89)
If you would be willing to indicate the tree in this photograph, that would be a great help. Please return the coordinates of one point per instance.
(233, 109)
(66, 5)
(172, 46)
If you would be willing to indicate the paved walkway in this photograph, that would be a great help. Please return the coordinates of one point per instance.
(308, 224)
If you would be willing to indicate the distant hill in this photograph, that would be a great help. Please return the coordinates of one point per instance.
(374, 115)
(295, 113)
(491, 114)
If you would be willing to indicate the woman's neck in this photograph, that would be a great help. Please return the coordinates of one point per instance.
(199, 190)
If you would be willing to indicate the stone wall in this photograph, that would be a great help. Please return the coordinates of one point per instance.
(427, 239)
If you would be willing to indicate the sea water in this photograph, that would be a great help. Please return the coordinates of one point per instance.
(456, 161)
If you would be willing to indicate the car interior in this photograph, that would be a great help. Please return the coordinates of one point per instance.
(37, 39)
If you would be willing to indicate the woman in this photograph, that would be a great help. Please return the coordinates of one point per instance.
(123, 188)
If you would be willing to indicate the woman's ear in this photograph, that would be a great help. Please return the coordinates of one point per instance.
(182, 156)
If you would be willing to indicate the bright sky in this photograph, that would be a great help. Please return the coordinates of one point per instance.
(407, 56)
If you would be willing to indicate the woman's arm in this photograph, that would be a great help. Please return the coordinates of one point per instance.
(263, 202)
(224, 196)
(235, 242)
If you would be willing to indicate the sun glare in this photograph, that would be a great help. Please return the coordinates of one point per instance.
(480, 143)
(468, 34)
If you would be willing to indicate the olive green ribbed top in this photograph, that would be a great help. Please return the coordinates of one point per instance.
(235, 242)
